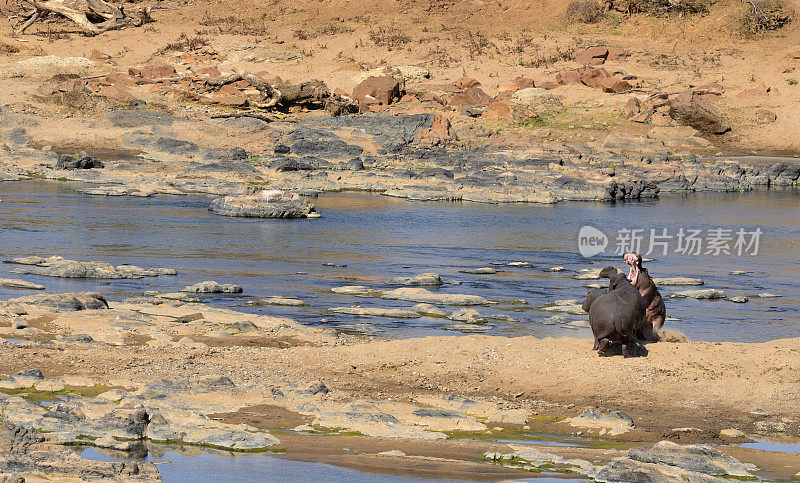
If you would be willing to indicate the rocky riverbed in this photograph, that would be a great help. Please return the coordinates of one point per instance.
(156, 370)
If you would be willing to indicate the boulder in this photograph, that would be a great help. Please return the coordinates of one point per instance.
(690, 109)
(210, 286)
(264, 204)
(701, 294)
(420, 295)
(63, 268)
(421, 280)
(592, 56)
(82, 161)
(472, 96)
(566, 77)
(384, 89)
(65, 302)
(153, 71)
(531, 102)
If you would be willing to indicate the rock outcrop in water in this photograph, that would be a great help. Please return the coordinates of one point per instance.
(64, 302)
(27, 454)
(264, 204)
(63, 268)
(210, 286)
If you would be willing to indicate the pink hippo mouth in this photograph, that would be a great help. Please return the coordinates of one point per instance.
(632, 260)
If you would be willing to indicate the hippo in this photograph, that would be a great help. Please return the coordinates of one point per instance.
(656, 310)
(616, 314)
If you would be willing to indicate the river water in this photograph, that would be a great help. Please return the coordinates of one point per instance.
(366, 239)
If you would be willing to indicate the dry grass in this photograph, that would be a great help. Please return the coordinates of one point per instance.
(583, 11)
(389, 37)
(759, 16)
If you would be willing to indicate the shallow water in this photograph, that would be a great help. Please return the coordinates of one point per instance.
(378, 238)
(770, 446)
(219, 467)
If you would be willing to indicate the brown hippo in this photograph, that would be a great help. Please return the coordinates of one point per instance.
(656, 310)
(616, 314)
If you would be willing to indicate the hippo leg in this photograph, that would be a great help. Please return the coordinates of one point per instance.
(625, 352)
(596, 345)
(603, 345)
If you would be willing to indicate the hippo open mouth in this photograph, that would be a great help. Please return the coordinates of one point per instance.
(633, 260)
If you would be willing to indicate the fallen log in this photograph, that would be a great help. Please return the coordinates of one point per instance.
(93, 17)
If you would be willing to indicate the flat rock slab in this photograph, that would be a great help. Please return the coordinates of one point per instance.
(677, 281)
(352, 290)
(701, 294)
(420, 295)
(264, 204)
(613, 423)
(63, 268)
(375, 312)
(50, 302)
(210, 286)
(422, 280)
(17, 283)
(276, 300)
(479, 271)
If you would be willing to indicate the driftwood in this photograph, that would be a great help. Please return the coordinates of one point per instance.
(282, 95)
(92, 16)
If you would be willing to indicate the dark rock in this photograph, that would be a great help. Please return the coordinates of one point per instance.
(437, 413)
(175, 146)
(282, 149)
(129, 423)
(83, 161)
(290, 164)
(355, 164)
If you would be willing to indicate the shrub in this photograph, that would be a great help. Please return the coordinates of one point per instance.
(759, 16)
(667, 7)
(583, 11)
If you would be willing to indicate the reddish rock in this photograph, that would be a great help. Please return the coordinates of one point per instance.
(73, 85)
(440, 133)
(524, 83)
(208, 71)
(340, 92)
(505, 94)
(46, 90)
(594, 77)
(632, 107)
(498, 110)
(152, 71)
(786, 70)
(566, 77)
(97, 55)
(473, 96)
(593, 56)
(692, 110)
(428, 97)
(384, 89)
(761, 90)
(467, 82)
(616, 54)
(117, 93)
(549, 85)
(230, 90)
(614, 85)
(122, 79)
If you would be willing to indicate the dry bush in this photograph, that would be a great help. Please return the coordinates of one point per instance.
(583, 11)
(759, 16)
(667, 7)
(388, 37)
(185, 44)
